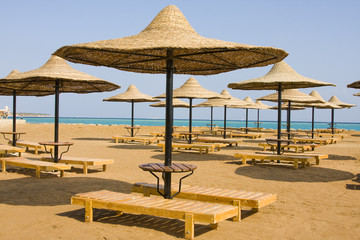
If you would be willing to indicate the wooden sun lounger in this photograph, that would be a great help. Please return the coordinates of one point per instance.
(321, 141)
(317, 156)
(85, 162)
(246, 135)
(35, 145)
(144, 140)
(254, 200)
(335, 135)
(34, 164)
(6, 149)
(198, 146)
(229, 141)
(273, 157)
(296, 147)
(190, 211)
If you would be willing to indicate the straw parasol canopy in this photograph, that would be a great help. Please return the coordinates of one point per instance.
(177, 103)
(336, 101)
(132, 95)
(147, 52)
(289, 96)
(261, 105)
(14, 93)
(354, 85)
(250, 105)
(281, 73)
(170, 45)
(55, 77)
(225, 102)
(281, 76)
(357, 94)
(192, 89)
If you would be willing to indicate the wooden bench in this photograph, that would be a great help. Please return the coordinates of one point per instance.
(6, 149)
(335, 135)
(246, 135)
(317, 156)
(198, 146)
(273, 157)
(144, 140)
(229, 141)
(35, 145)
(85, 162)
(190, 211)
(254, 200)
(321, 141)
(296, 147)
(34, 164)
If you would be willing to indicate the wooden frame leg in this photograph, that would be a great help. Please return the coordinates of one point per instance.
(238, 217)
(296, 164)
(104, 167)
(62, 173)
(85, 168)
(88, 211)
(189, 226)
(243, 160)
(37, 169)
(3, 164)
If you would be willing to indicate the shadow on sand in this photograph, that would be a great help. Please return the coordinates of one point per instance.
(172, 227)
(134, 146)
(94, 139)
(53, 191)
(285, 173)
(340, 157)
(192, 156)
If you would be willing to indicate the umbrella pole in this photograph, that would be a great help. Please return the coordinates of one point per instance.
(14, 118)
(279, 119)
(211, 122)
(224, 121)
(258, 118)
(190, 120)
(56, 138)
(169, 122)
(132, 118)
(288, 119)
(332, 120)
(312, 121)
(246, 125)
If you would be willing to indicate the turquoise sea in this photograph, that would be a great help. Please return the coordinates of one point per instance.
(185, 122)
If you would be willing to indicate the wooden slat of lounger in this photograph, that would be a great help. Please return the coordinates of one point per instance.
(254, 200)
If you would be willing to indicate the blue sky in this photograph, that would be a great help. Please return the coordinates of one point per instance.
(322, 38)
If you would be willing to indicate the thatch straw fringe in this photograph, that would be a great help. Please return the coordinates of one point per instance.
(177, 103)
(291, 95)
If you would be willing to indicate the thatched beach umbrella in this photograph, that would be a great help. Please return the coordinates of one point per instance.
(132, 95)
(226, 101)
(55, 77)
(14, 93)
(280, 77)
(170, 45)
(250, 105)
(323, 104)
(192, 89)
(357, 94)
(260, 105)
(289, 96)
(339, 103)
(354, 85)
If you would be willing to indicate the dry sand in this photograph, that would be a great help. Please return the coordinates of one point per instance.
(313, 203)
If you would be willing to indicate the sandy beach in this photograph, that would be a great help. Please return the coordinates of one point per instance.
(312, 202)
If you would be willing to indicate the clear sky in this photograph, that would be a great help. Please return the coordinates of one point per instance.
(322, 38)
